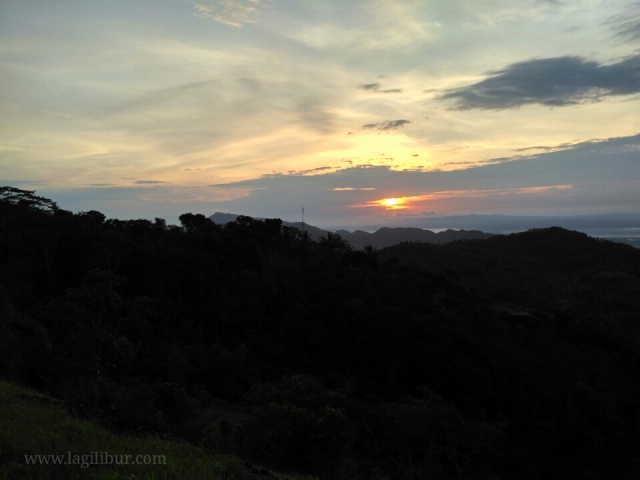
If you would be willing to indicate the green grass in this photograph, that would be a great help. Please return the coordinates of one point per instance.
(33, 424)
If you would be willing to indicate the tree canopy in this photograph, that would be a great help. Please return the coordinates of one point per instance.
(516, 356)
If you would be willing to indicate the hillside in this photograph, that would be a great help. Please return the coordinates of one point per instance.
(39, 440)
(540, 266)
(510, 357)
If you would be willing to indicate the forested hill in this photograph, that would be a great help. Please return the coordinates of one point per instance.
(381, 238)
(552, 271)
(513, 357)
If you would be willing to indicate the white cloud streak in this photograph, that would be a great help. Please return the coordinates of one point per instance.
(235, 13)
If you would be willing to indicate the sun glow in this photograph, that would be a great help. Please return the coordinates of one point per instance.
(391, 203)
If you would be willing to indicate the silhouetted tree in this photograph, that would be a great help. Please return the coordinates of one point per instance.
(334, 241)
(26, 199)
(192, 222)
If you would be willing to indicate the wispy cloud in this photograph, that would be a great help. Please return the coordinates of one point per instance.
(294, 173)
(626, 25)
(553, 82)
(545, 148)
(498, 11)
(388, 125)
(347, 27)
(148, 182)
(375, 87)
(235, 13)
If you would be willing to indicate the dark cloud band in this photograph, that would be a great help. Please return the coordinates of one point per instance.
(552, 82)
(375, 87)
(388, 125)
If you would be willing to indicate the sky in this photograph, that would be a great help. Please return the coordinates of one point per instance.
(360, 110)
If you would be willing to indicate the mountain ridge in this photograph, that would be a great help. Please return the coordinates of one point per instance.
(383, 237)
(617, 227)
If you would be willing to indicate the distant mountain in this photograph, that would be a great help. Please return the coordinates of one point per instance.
(222, 218)
(383, 237)
(590, 224)
(617, 227)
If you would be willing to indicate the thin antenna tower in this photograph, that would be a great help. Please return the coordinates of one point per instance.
(303, 227)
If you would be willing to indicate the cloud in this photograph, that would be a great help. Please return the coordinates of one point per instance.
(553, 82)
(148, 182)
(626, 25)
(161, 96)
(375, 87)
(388, 125)
(235, 13)
(362, 27)
(401, 203)
(549, 148)
(293, 173)
(593, 175)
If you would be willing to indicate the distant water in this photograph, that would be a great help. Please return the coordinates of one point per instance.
(434, 230)
(615, 232)
(630, 236)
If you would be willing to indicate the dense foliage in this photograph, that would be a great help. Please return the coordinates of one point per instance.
(512, 357)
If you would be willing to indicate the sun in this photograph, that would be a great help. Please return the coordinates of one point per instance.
(392, 203)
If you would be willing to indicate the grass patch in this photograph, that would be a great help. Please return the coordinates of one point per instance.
(32, 424)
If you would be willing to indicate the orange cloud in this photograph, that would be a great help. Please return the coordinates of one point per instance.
(407, 202)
